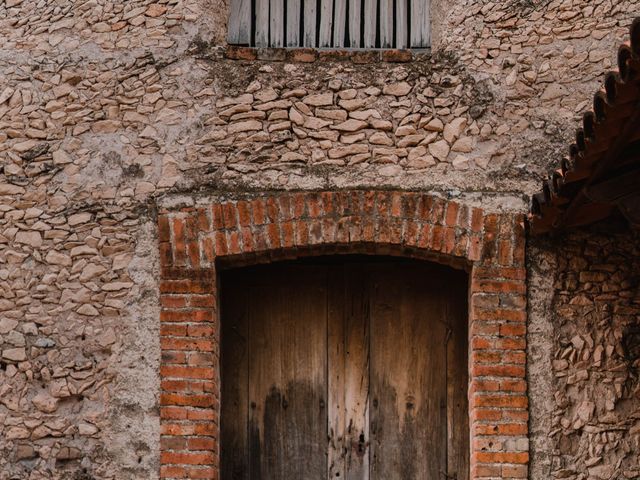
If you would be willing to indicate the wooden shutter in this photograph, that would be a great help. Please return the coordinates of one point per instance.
(394, 24)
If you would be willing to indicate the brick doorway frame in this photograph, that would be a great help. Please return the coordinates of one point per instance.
(269, 227)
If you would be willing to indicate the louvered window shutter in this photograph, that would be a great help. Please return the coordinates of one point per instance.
(358, 24)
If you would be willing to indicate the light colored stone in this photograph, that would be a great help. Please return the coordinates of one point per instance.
(246, 126)
(454, 129)
(319, 99)
(340, 152)
(57, 258)
(350, 125)
(439, 150)
(399, 89)
(15, 354)
(45, 402)
(33, 239)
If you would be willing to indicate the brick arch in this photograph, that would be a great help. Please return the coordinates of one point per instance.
(275, 226)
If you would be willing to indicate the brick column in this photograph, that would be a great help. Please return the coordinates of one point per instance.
(498, 399)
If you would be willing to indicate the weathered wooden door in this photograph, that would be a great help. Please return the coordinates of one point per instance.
(344, 368)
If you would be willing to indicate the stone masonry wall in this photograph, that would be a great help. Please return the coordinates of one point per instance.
(592, 418)
(106, 106)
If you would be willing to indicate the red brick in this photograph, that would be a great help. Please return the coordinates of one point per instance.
(512, 401)
(258, 211)
(244, 213)
(233, 52)
(233, 242)
(186, 372)
(209, 473)
(486, 471)
(173, 471)
(179, 241)
(201, 443)
(451, 218)
(477, 220)
(507, 429)
(164, 231)
(202, 300)
(497, 286)
(173, 301)
(502, 457)
(513, 386)
(515, 471)
(513, 330)
(187, 458)
(299, 205)
(499, 314)
(217, 216)
(173, 329)
(186, 316)
(173, 357)
(396, 56)
(483, 414)
(425, 206)
(186, 400)
(481, 370)
(193, 386)
(272, 209)
(203, 414)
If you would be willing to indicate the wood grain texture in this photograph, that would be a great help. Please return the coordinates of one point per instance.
(351, 370)
(370, 26)
(339, 22)
(408, 376)
(239, 29)
(261, 23)
(287, 374)
(348, 361)
(457, 376)
(276, 19)
(309, 20)
(420, 24)
(402, 28)
(293, 23)
(326, 23)
(386, 23)
(235, 384)
(355, 31)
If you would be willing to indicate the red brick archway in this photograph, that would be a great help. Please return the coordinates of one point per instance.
(275, 226)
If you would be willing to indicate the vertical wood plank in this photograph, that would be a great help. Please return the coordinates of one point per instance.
(239, 29)
(386, 23)
(309, 21)
(348, 364)
(276, 18)
(262, 23)
(370, 28)
(408, 375)
(355, 14)
(234, 377)
(293, 23)
(457, 376)
(339, 22)
(326, 22)
(287, 373)
(420, 23)
(401, 24)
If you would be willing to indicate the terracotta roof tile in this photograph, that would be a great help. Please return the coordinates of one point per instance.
(589, 183)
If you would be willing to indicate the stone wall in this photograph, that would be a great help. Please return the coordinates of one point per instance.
(592, 418)
(107, 106)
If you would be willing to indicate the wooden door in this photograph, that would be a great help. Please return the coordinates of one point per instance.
(344, 368)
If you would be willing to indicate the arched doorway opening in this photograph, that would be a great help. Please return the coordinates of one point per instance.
(345, 366)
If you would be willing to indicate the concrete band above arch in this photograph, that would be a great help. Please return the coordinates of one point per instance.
(267, 227)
